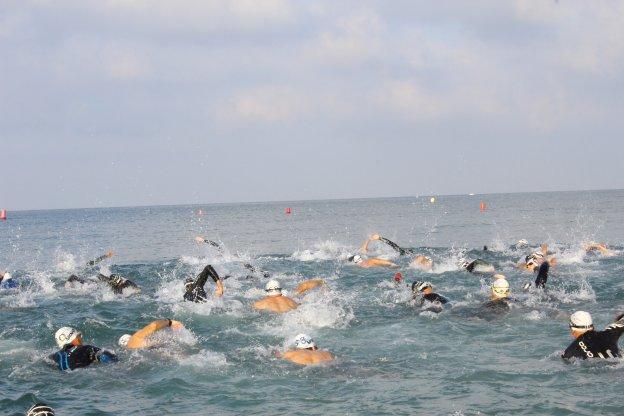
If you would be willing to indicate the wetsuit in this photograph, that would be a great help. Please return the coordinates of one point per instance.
(597, 344)
(542, 275)
(8, 284)
(536, 257)
(402, 251)
(96, 261)
(498, 305)
(194, 288)
(72, 356)
(117, 283)
(246, 265)
(479, 266)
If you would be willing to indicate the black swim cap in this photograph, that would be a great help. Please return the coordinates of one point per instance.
(40, 409)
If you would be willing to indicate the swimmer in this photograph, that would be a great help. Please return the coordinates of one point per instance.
(115, 282)
(376, 237)
(477, 266)
(485, 248)
(306, 352)
(194, 288)
(542, 277)
(600, 248)
(7, 281)
(422, 262)
(274, 301)
(74, 354)
(589, 343)
(141, 338)
(368, 263)
(499, 297)
(434, 301)
(535, 259)
(40, 409)
(251, 268)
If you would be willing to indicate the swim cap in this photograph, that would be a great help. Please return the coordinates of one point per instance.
(500, 288)
(303, 341)
(398, 277)
(356, 258)
(7, 276)
(40, 409)
(581, 320)
(464, 264)
(123, 340)
(66, 335)
(273, 287)
(522, 243)
(420, 286)
(499, 276)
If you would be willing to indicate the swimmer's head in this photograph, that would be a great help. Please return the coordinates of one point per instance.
(7, 276)
(522, 243)
(355, 259)
(304, 342)
(123, 340)
(273, 288)
(464, 264)
(40, 409)
(67, 335)
(424, 287)
(580, 322)
(500, 289)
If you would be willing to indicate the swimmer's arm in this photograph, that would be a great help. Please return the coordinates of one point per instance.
(308, 285)
(137, 340)
(216, 245)
(203, 276)
(617, 327)
(99, 259)
(364, 246)
(382, 262)
(253, 269)
(542, 275)
(394, 246)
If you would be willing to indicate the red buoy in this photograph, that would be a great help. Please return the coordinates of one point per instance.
(200, 212)
(3, 214)
(398, 277)
(288, 210)
(482, 207)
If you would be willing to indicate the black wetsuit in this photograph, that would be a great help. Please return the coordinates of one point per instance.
(542, 275)
(402, 251)
(246, 265)
(72, 357)
(478, 266)
(194, 288)
(117, 283)
(597, 344)
(498, 305)
(433, 302)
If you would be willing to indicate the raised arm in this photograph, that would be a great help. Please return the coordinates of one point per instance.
(308, 285)
(542, 275)
(216, 245)
(395, 246)
(138, 340)
(99, 259)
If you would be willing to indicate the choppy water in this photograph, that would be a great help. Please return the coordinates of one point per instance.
(392, 357)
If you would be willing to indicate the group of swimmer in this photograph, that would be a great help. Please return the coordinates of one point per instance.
(74, 354)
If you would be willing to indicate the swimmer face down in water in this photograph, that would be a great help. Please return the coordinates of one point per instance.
(306, 352)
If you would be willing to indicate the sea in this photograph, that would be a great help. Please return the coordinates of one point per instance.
(392, 356)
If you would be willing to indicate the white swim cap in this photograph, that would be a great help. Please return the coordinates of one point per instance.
(123, 340)
(356, 258)
(420, 286)
(303, 341)
(464, 264)
(273, 287)
(40, 409)
(581, 320)
(66, 335)
(7, 276)
(500, 288)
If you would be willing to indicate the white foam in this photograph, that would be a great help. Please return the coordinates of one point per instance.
(326, 250)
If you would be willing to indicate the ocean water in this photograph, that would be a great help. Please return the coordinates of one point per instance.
(392, 357)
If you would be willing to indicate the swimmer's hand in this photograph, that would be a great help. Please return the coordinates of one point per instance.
(200, 239)
(375, 237)
(176, 325)
(110, 254)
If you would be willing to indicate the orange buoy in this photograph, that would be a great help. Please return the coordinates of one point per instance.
(3, 214)
(288, 210)
(482, 207)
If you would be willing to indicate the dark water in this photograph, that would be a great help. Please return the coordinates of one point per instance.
(392, 358)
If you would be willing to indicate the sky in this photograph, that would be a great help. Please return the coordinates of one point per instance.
(148, 102)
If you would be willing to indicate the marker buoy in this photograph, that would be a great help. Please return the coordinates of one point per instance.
(288, 210)
(482, 207)
(3, 214)
(398, 277)
(432, 200)
(200, 212)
